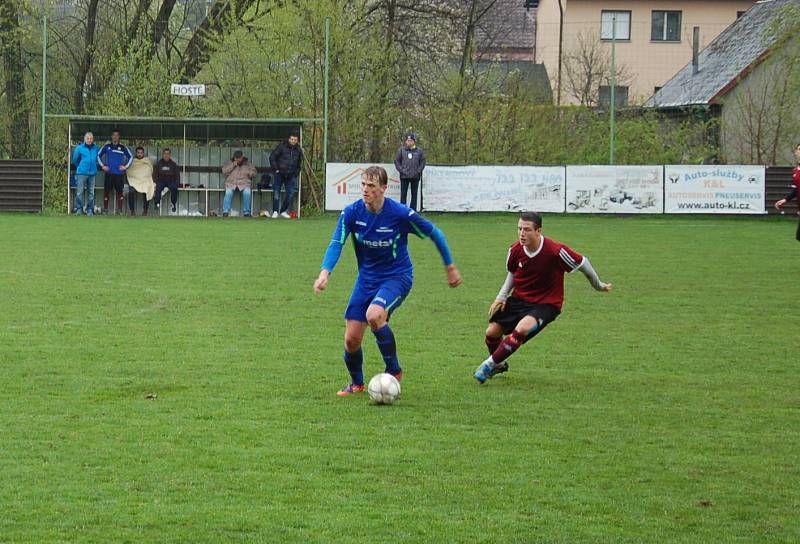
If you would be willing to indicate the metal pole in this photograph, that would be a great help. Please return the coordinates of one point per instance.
(613, 86)
(560, 48)
(44, 109)
(44, 81)
(69, 166)
(325, 97)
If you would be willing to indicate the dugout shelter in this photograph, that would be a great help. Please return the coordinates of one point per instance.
(200, 146)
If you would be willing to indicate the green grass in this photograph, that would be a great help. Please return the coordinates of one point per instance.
(667, 410)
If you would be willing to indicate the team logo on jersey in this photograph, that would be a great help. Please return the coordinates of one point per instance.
(376, 243)
(361, 223)
(384, 229)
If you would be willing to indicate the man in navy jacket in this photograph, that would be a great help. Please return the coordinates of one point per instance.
(114, 158)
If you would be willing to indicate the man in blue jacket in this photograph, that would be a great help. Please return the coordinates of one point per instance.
(114, 158)
(85, 160)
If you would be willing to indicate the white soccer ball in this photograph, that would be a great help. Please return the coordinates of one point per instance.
(383, 389)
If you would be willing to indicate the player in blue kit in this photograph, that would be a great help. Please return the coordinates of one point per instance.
(379, 227)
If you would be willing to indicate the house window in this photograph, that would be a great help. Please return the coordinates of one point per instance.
(620, 96)
(623, 26)
(666, 26)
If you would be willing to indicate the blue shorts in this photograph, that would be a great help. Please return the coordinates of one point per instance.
(389, 294)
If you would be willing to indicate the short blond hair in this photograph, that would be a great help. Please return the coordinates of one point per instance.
(377, 173)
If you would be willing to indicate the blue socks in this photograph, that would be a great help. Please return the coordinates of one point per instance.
(385, 339)
(355, 363)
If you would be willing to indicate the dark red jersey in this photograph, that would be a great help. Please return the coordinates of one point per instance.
(539, 275)
(796, 180)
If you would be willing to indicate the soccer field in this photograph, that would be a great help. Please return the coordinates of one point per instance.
(667, 410)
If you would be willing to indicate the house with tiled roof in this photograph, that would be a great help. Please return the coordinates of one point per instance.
(652, 39)
(744, 78)
(508, 31)
(506, 40)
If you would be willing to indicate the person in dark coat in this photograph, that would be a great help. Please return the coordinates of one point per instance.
(410, 162)
(285, 161)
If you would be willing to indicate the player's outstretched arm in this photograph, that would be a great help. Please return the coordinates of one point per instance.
(423, 229)
(588, 271)
(332, 254)
(453, 275)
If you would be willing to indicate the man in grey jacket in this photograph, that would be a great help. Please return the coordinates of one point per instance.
(410, 162)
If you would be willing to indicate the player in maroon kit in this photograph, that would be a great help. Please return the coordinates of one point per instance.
(536, 267)
(795, 192)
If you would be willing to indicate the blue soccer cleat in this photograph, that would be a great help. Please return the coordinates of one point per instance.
(488, 369)
(484, 372)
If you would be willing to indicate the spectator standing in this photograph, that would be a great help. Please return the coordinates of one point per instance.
(239, 173)
(410, 162)
(114, 158)
(167, 174)
(140, 180)
(85, 160)
(285, 161)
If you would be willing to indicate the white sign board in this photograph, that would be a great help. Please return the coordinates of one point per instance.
(615, 189)
(493, 188)
(343, 183)
(188, 90)
(714, 189)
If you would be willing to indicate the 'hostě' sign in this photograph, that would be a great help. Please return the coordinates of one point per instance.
(188, 90)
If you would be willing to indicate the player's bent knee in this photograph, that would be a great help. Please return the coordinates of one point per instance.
(494, 331)
(376, 317)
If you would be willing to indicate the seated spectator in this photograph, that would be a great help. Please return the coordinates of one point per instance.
(239, 173)
(140, 180)
(167, 174)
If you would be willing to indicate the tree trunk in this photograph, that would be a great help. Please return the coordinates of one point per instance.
(133, 29)
(78, 102)
(383, 83)
(467, 54)
(17, 105)
(218, 21)
(161, 24)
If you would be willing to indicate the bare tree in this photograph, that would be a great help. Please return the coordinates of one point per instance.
(760, 120)
(587, 67)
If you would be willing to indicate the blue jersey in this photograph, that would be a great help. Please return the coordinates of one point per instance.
(381, 240)
(114, 156)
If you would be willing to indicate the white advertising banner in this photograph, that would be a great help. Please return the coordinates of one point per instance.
(493, 188)
(714, 189)
(615, 189)
(343, 183)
